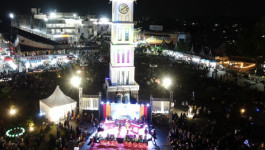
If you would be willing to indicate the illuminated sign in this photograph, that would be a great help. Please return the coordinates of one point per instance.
(125, 111)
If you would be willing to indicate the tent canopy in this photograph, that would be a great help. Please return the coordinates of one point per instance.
(57, 98)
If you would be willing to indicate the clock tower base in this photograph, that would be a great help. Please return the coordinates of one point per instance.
(122, 93)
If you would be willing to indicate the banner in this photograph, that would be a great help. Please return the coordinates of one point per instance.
(12, 48)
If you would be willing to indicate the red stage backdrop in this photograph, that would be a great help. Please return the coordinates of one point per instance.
(107, 110)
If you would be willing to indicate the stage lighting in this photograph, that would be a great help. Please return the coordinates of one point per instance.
(147, 105)
(107, 103)
(102, 102)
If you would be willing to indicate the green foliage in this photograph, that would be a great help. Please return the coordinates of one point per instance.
(6, 90)
(252, 42)
(141, 48)
(104, 48)
(183, 46)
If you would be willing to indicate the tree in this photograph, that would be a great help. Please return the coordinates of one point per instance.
(141, 48)
(104, 48)
(260, 37)
(252, 42)
(183, 46)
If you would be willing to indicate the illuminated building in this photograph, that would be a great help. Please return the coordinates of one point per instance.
(121, 86)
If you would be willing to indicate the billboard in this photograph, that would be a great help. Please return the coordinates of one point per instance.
(125, 111)
(156, 27)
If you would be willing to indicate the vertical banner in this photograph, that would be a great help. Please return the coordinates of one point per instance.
(108, 110)
(104, 111)
(145, 112)
(141, 111)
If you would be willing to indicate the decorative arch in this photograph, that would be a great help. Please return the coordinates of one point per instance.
(119, 98)
(127, 98)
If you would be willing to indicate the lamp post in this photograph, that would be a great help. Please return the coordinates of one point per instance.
(11, 16)
(166, 83)
(76, 81)
(12, 110)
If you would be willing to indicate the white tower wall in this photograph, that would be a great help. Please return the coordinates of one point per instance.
(122, 70)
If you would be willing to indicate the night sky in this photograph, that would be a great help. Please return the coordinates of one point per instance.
(162, 8)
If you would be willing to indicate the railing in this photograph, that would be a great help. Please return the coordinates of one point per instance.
(47, 36)
(90, 96)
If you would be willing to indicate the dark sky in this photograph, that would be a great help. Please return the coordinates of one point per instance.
(164, 8)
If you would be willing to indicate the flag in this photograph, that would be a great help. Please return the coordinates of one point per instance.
(210, 53)
(202, 52)
(12, 48)
(191, 51)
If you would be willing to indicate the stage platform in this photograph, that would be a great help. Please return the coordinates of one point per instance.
(111, 128)
(97, 146)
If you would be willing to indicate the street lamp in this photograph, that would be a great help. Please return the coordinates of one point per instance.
(242, 111)
(31, 126)
(104, 20)
(52, 15)
(11, 16)
(166, 83)
(78, 71)
(75, 81)
(12, 110)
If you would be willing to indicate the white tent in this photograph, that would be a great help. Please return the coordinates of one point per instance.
(56, 106)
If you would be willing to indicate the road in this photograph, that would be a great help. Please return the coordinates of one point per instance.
(241, 81)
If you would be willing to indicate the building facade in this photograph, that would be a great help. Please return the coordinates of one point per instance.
(121, 86)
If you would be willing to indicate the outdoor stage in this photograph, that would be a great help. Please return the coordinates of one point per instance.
(112, 138)
(124, 127)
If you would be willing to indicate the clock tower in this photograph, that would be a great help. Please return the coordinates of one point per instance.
(121, 86)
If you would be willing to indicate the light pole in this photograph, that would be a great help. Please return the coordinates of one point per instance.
(12, 110)
(11, 16)
(76, 81)
(166, 83)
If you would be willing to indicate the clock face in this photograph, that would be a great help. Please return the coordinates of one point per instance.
(123, 8)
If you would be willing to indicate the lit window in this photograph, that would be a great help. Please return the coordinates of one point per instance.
(119, 34)
(126, 34)
(128, 56)
(123, 57)
(118, 56)
(127, 78)
(118, 77)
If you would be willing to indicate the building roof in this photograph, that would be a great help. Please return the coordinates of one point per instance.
(58, 98)
(25, 48)
(36, 38)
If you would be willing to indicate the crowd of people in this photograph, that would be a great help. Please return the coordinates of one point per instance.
(185, 135)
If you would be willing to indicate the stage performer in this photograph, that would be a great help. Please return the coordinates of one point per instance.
(127, 127)
(119, 128)
(145, 131)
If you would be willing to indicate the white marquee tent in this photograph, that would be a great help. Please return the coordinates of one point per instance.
(56, 106)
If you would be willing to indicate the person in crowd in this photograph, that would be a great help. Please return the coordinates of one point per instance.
(153, 133)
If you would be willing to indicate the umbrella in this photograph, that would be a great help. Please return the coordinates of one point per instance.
(8, 59)
(4, 54)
